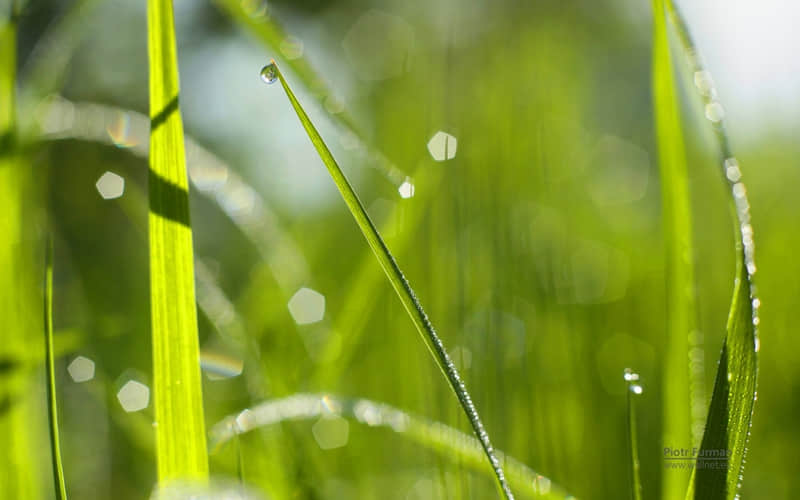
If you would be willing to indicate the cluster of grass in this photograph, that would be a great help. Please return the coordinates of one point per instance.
(275, 461)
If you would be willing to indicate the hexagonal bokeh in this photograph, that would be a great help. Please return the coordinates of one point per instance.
(307, 306)
(442, 146)
(378, 45)
(110, 186)
(134, 396)
(81, 369)
(406, 189)
(331, 431)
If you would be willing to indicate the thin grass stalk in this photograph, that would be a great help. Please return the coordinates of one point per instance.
(634, 389)
(52, 400)
(398, 282)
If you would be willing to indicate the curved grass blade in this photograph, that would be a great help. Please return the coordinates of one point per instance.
(52, 401)
(634, 389)
(451, 443)
(397, 280)
(731, 410)
(682, 387)
(180, 430)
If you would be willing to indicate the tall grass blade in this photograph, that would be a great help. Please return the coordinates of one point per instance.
(397, 280)
(52, 401)
(634, 389)
(180, 430)
(18, 439)
(730, 413)
(679, 394)
(460, 448)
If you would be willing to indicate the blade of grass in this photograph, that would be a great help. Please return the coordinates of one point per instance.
(400, 285)
(732, 403)
(8, 63)
(180, 430)
(453, 444)
(634, 389)
(271, 34)
(52, 401)
(679, 392)
(18, 440)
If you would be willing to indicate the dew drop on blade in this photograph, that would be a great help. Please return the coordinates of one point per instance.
(269, 73)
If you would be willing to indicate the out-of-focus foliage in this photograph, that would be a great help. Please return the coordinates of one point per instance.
(536, 244)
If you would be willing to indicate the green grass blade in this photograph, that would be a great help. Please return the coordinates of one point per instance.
(19, 441)
(52, 401)
(398, 282)
(454, 445)
(732, 402)
(272, 35)
(180, 431)
(677, 388)
(634, 389)
(8, 72)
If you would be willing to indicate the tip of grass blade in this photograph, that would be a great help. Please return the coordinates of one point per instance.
(634, 389)
(397, 279)
(52, 403)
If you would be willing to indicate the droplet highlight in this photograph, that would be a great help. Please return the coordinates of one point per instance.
(269, 73)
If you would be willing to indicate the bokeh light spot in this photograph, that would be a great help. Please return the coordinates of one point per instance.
(307, 306)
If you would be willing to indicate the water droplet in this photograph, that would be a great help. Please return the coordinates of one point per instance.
(715, 112)
(636, 388)
(703, 82)
(757, 346)
(629, 375)
(269, 73)
(730, 376)
(739, 190)
(732, 171)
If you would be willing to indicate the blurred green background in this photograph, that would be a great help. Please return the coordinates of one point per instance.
(536, 249)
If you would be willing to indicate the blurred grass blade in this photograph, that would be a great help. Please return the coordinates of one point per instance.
(679, 395)
(732, 402)
(180, 430)
(8, 73)
(396, 278)
(19, 443)
(461, 449)
(52, 401)
(634, 389)
(256, 19)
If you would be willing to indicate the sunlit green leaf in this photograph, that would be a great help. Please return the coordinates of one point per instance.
(677, 218)
(180, 429)
(731, 409)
